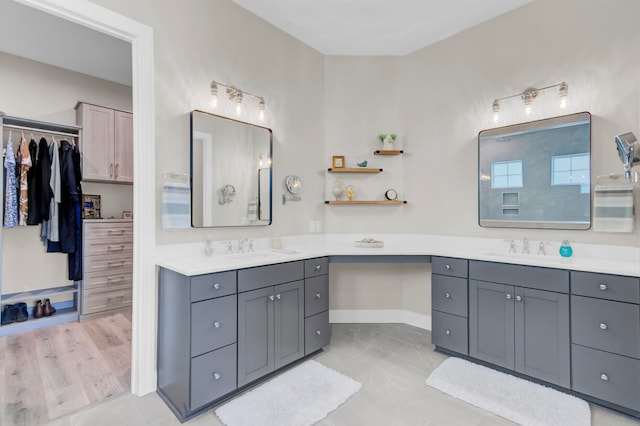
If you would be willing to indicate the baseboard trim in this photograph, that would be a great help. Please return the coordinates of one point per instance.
(380, 316)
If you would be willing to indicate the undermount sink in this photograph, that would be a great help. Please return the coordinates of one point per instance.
(516, 255)
(262, 254)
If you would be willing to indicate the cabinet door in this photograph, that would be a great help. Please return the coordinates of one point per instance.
(97, 141)
(491, 327)
(123, 147)
(255, 334)
(289, 323)
(542, 339)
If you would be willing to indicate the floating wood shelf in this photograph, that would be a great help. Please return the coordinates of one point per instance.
(38, 294)
(354, 170)
(379, 202)
(388, 152)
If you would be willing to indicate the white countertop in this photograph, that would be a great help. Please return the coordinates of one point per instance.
(189, 259)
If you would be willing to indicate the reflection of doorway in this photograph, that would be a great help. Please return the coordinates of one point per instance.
(141, 39)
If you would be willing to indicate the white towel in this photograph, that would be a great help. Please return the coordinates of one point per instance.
(176, 205)
(613, 207)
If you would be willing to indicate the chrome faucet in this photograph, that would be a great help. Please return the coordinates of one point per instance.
(512, 246)
(525, 245)
(229, 247)
(208, 246)
(541, 248)
(250, 246)
(241, 243)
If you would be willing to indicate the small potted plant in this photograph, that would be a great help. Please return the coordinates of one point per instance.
(387, 140)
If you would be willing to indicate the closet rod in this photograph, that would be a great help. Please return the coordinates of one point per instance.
(36, 130)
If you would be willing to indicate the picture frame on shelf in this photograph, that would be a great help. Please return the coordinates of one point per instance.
(337, 161)
(91, 206)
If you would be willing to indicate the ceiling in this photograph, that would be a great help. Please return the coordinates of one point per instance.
(375, 27)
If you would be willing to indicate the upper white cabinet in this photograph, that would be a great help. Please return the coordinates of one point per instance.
(107, 143)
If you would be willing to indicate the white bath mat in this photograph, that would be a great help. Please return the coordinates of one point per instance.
(518, 400)
(301, 396)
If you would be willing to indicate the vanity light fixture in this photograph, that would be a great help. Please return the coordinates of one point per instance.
(264, 161)
(529, 95)
(238, 97)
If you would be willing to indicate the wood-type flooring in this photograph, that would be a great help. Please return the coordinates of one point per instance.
(53, 371)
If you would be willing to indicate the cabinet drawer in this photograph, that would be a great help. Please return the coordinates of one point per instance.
(106, 298)
(115, 277)
(122, 231)
(525, 276)
(315, 267)
(450, 332)
(449, 266)
(606, 325)
(213, 324)
(213, 285)
(264, 276)
(604, 286)
(606, 376)
(101, 247)
(213, 375)
(107, 264)
(449, 294)
(317, 332)
(316, 295)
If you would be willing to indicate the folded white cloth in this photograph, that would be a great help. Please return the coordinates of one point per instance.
(613, 207)
(176, 205)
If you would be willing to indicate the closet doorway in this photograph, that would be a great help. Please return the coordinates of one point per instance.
(91, 16)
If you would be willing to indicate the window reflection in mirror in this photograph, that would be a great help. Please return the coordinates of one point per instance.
(230, 172)
(536, 174)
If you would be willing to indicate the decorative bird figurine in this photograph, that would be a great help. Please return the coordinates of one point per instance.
(363, 164)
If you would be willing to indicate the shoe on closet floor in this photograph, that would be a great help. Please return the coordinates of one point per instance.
(38, 309)
(48, 310)
(9, 314)
(22, 314)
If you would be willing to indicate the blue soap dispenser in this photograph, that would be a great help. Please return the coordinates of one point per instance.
(565, 249)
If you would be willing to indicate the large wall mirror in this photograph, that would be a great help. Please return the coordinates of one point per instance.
(230, 172)
(536, 174)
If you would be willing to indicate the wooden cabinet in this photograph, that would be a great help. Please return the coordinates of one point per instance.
(515, 325)
(107, 143)
(107, 267)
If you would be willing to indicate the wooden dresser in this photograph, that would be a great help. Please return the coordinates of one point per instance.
(108, 267)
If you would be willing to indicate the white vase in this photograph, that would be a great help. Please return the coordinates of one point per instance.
(338, 190)
(387, 143)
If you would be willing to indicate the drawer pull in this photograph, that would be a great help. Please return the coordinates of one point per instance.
(603, 287)
(216, 286)
(318, 267)
(603, 326)
(216, 376)
(447, 267)
(604, 377)
(217, 324)
(318, 332)
(447, 332)
(115, 231)
(278, 297)
(116, 248)
(318, 295)
(447, 295)
(120, 278)
(272, 298)
(509, 296)
(519, 298)
(116, 262)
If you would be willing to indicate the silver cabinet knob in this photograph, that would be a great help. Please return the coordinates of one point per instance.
(604, 377)
(603, 287)
(519, 298)
(216, 376)
(509, 296)
(447, 332)
(318, 332)
(447, 267)
(447, 295)
(216, 286)
(278, 296)
(272, 298)
(318, 267)
(603, 326)
(318, 295)
(217, 324)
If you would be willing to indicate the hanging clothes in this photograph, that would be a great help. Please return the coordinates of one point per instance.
(11, 194)
(70, 196)
(75, 259)
(52, 228)
(32, 178)
(43, 186)
(24, 163)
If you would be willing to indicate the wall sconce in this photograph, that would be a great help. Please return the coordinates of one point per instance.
(237, 96)
(228, 192)
(529, 95)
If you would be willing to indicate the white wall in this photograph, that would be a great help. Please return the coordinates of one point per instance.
(41, 92)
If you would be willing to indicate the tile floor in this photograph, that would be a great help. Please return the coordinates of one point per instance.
(392, 362)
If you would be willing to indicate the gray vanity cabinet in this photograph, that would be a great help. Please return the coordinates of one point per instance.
(515, 321)
(270, 319)
(449, 304)
(317, 331)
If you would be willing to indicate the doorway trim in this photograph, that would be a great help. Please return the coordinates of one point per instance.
(98, 18)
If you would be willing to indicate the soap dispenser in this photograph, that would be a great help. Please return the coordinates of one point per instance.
(565, 249)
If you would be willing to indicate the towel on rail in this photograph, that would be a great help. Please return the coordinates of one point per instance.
(613, 207)
(176, 205)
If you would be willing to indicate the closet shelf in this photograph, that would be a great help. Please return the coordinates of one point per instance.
(61, 316)
(354, 170)
(388, 152)
(378, 202)
(37, 294)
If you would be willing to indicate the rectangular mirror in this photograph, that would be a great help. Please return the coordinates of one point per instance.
(536, 174)
(230, 172)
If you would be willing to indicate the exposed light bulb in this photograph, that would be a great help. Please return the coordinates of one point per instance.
(261, 106)
(213, 103)
(527, 109)
(563, 94)
(239, 108)
(496, 111)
